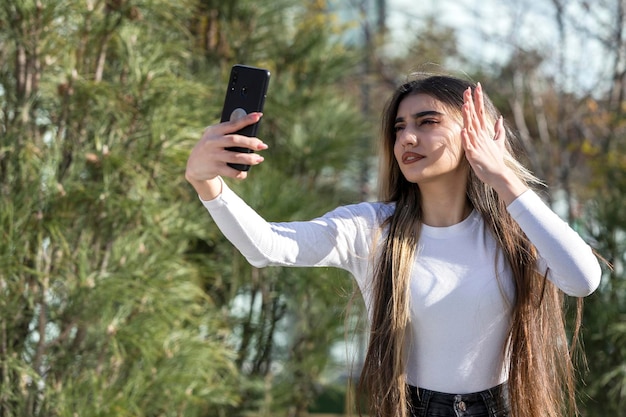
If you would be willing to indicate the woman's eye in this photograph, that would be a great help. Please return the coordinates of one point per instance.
(429, 122)
(398, 128)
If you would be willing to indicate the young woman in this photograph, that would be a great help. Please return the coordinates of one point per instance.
(461, 265)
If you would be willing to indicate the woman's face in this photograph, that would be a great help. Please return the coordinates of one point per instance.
(428, 141)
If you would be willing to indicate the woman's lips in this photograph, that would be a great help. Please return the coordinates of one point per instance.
(410, 157)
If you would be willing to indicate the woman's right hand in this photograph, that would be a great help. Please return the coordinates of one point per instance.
(209, 158)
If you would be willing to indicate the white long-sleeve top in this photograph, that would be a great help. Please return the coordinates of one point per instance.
(460, 313)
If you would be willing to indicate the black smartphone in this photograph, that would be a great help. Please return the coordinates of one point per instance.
(247, 88)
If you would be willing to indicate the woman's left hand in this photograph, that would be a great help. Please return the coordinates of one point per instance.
(485, 147)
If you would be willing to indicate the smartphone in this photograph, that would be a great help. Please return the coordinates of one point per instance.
(247, 88)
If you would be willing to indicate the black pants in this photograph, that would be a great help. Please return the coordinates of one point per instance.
(493, 402)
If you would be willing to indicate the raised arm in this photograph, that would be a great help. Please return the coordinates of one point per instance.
(571, 263)
(340, 238)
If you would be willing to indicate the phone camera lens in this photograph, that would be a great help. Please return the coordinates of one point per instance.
(244, 91)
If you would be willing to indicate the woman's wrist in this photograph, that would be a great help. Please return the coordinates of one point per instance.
(207, 189)
(509, 188)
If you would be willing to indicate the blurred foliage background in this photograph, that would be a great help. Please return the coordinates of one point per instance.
(119, 296)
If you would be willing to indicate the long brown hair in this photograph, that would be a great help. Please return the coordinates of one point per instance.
(541, 373)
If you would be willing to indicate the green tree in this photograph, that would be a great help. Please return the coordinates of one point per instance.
(119, 295)
(605, 332)
(605, 318)
(101, 313)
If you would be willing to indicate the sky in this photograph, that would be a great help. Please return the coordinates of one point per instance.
(530, 23)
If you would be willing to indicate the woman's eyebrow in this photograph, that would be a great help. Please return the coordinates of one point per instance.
(421, 114)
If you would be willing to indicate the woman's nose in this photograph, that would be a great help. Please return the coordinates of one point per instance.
(408, 137)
